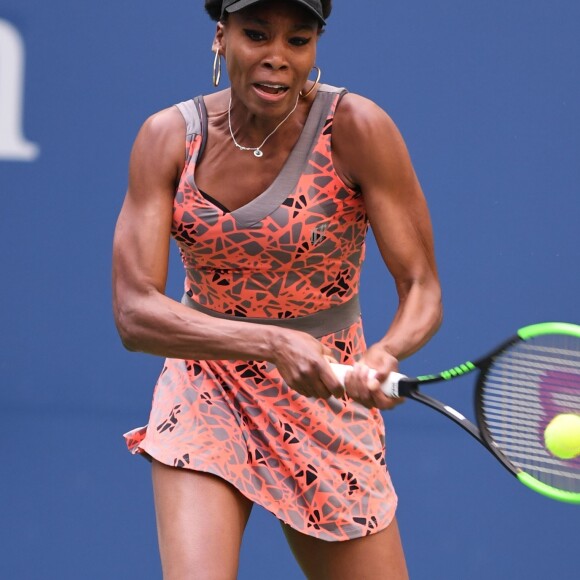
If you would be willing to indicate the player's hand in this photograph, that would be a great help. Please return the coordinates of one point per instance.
(363, 383)
(303, 363)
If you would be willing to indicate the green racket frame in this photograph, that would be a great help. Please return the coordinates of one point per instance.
(409, 387)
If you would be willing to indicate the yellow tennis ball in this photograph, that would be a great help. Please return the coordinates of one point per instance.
(562, 436)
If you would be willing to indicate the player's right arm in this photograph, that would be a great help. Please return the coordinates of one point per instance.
(147, 320)
(142, 234)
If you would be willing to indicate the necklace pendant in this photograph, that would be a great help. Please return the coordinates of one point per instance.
(258, 153)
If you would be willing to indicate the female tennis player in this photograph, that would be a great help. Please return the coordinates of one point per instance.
(268, 187)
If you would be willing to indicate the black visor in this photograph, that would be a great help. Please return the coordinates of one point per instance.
(314, 6)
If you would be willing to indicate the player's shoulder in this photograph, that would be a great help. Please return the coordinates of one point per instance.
(360, 121)
(358, 115)
(160, 141)
(164, 123)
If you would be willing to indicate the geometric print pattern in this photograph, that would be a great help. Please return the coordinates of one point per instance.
(317, 465)
(304, 256)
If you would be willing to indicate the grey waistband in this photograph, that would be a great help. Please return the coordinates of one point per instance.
(318, 324)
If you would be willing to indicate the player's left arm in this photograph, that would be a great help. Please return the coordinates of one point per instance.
(371, 156)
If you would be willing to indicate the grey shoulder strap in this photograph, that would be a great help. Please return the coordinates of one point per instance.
(331, 89)
(190, 113)
(195, 116)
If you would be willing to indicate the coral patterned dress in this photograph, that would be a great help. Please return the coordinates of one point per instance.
(291, 257)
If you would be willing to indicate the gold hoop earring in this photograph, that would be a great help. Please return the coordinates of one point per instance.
(319, 73)
(217, 68)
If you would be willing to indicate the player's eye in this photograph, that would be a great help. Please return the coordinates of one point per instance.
(254, 35)
(300, 40)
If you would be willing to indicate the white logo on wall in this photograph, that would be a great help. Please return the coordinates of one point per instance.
(13, 144)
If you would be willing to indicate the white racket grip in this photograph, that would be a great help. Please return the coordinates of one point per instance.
(390, 386)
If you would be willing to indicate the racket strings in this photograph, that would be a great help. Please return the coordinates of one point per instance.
(525, 387)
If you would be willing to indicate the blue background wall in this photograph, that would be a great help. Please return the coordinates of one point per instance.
(487, 97)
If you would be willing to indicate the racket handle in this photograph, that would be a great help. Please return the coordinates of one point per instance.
(390, 386)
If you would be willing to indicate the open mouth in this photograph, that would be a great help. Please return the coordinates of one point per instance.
(271, 89)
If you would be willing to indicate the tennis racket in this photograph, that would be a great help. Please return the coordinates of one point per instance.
(521, 387)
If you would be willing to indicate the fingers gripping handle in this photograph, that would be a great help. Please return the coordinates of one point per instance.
(390, 386)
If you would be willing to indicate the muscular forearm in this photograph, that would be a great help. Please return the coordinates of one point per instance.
(417, 319)
(157, 325)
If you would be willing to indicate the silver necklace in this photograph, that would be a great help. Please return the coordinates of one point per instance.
(257, 150)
